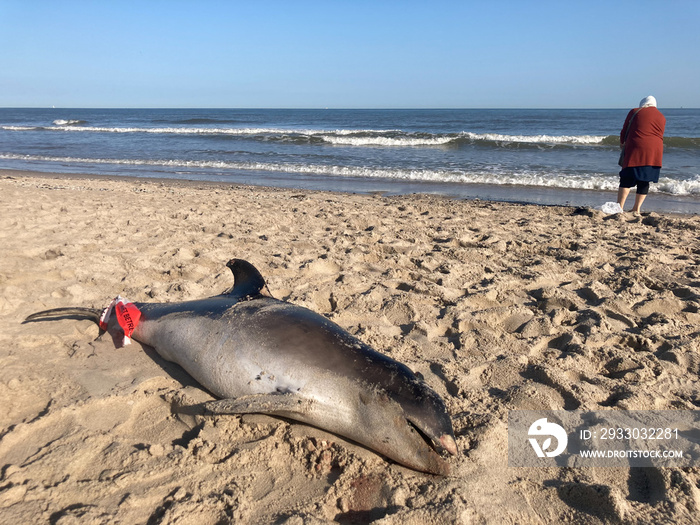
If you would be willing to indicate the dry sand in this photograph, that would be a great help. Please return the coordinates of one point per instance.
(498, 306)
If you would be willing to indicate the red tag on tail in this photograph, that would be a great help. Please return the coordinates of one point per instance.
(128, 317)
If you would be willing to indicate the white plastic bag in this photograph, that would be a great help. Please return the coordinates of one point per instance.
(611, 207)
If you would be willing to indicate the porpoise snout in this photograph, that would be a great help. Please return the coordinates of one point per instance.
(449, 444)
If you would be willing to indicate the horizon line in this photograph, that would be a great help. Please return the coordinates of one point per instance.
(339, 108)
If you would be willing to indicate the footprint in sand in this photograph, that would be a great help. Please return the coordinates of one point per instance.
(646, 485)
(596, 499)
(687, 358)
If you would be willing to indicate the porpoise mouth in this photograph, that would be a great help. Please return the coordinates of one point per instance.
(443, 443)
(448, 443)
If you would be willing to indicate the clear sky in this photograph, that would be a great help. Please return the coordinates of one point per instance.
(349, 54)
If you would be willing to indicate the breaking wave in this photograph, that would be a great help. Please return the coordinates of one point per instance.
(60, 122)
(339, 137)
(592, 181)
(354, 137)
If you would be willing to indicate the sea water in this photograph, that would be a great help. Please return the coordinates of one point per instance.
(541, 156)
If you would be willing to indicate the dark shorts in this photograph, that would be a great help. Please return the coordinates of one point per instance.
(639, 176)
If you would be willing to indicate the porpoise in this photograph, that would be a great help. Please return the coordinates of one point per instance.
(259, 354)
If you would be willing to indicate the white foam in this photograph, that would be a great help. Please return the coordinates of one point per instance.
(344, 137)
(61, 122)
(592, 181)
(386, 141)
(680, 187)
(537, 139)
(196, 131)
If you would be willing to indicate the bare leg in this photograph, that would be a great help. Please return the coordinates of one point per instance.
(622, 194)
(638, 200)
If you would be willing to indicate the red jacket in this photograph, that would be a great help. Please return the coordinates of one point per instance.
(645, 142)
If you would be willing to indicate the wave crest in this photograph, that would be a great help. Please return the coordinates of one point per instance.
(61, 122)
(593, 181)
(339, 137)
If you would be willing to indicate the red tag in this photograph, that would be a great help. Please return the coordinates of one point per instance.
(128, 317)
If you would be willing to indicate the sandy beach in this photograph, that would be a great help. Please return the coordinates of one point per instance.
(497, 306)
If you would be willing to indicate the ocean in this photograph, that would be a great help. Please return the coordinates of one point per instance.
(541, 156)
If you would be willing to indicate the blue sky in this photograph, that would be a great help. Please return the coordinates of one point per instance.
(349, 54)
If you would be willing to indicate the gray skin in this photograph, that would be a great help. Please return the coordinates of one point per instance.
(267, 356)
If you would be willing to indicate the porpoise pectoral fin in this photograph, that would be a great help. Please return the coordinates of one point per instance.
(275, 404)
(247, 281)
(394, 438)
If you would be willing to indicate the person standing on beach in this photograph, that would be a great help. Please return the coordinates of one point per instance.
(642, 138)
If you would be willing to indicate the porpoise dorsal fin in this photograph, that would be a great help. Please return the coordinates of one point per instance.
(247, 281)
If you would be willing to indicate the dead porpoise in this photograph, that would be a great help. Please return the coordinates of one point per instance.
(259, 354)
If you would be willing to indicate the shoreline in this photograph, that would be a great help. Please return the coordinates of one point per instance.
(497, 306)
(535, 196)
